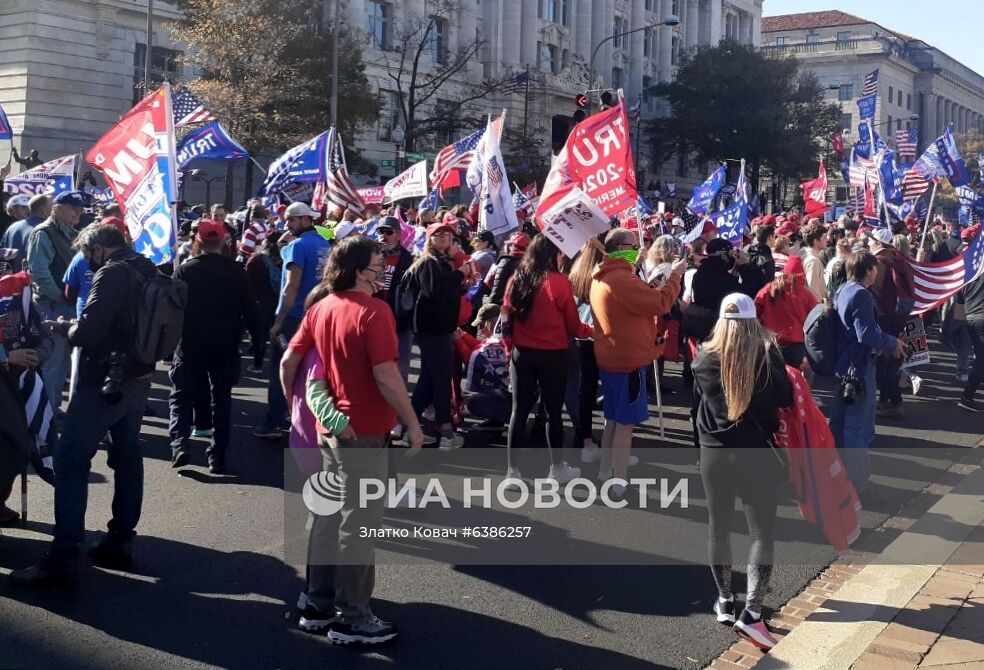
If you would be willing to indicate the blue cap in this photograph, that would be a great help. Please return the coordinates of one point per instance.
(70, 198)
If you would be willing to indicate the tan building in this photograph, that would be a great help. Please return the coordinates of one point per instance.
(919, 85)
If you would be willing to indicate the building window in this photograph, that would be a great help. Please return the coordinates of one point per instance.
(889, 126)
(908, 102)
(845, 92)
(891, 95)
(647, 45)
(566, 62)
(675, 51)
(163, 67)
(617, 77)
(437, 44)
(549, 58)
(647, 83)
(650, 5)
(782, 41)
(379, 23)
(847, 121)
(675, 9)
(844, 36)
(898, 124)
(813, 38)
(389, 115)
(565, 12)
(731, 27)
(908, 125)
(683, 165)
(900, 99)
(620, 27)
(550, 10)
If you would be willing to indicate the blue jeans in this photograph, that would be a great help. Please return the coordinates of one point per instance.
(217, 373)
(853, 428)
(88, 418)
(434, 383)
(55, 370)
(276, 416)
(405, 338)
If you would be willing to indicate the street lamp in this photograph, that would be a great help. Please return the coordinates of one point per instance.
(398, 135)
(199, 175)
(914, 117)
(671, 20)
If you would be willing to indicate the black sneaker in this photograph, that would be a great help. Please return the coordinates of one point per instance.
(216, 465)
(315, 620)
(111, 554)
(490, 425)
(752, 628)
(968, 404)
(268, 432)
(48, 572)
(430, 438)
(725, 610)
(372, 631)
(180, 458)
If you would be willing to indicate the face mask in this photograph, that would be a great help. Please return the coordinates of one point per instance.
(630, 256)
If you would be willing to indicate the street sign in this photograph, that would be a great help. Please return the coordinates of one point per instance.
(415, 156)
(387, 163)
(581, 100)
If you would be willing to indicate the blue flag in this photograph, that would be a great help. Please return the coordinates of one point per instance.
(645, 209)
(6, 130)
(706, 192)
(732, 221)
(864, 141)
(210, 142)
(891, 178)
(301, 165)
(866, 107)
(949, 157)
(432, 201)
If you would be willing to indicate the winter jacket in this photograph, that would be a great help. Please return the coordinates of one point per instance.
(552, 319)
(856, 308)
(624, 307)
(440, 296)
(499, 277)
(785, 313)
(712, 282)
(893, 281)
(753, 429)
(759, 271)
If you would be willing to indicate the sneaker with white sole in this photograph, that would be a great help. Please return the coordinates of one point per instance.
(917, 385)
(633, 460)
(451, 440)
(372, 631)
(590, 452)
(725, 610)
(396, 435)
(563, 473)
(751, 627)
(313, 619)
(513, 473)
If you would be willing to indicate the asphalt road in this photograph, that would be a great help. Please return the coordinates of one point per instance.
(211, 587)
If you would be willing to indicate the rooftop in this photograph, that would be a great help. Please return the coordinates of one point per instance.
(826, 19)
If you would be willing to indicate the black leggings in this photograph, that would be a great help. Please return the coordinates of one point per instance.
(975, 328)
(588, 393)
(753, 475)
(543, 372)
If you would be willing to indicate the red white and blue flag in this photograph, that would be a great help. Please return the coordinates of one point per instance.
(905, 141)
(937, 282)
(455, 156)
(188, 108)
(870, 86)
(335, 185)
(6, 130)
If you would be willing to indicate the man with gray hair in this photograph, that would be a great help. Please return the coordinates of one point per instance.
(17, 208)
(39, 209)
(110, 397)
(49, 252)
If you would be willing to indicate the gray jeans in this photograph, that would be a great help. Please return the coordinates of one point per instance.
(341, 571)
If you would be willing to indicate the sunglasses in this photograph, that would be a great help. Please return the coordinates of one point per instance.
(386, 231)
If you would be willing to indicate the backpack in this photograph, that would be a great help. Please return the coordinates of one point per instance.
(824, 337)
(407, 297)
(159, 317)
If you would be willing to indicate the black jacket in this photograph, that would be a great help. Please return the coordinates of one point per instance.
(440, 297)
(712, 282)
(760, 270)
(502, 273)
(108, 320)
(219, 305)
(402, 264)
(974, 299)
(760, 421)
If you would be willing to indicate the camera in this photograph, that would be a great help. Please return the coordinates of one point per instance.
(112, 388)
(851, 386)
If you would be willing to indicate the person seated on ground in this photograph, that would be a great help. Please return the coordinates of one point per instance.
(487, 395)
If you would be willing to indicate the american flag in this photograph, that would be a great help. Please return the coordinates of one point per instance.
(905, 141)
(690, 220)
(928, 168)
(188, 109)
(855, 203)
(913, 184)
(516, 84)
(455, 156)
(337, 187)
(870, 86)
(862, 170)
(937, 282)
(494, 171)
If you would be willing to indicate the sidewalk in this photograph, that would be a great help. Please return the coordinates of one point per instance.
(918, 603)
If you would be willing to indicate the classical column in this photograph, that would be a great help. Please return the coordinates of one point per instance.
(927, 120)
(716, 22)
(634, 84)
(465, 33)
(756, 26)
(666, 43)
(582, 17)
(527, 31)
(691, 23)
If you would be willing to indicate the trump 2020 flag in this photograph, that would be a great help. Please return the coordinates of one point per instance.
(300, 165)
(732, 221)
(51, 178)
(210, 142)
(496, 211)
(136, 157)
(706, 192)
(6, 130)
(949, 157)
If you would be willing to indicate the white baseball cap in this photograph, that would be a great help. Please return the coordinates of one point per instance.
(737, 306)
(300, 209)
(19, 201)
(883, 235)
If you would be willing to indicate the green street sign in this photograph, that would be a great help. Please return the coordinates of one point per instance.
(387, 163)
(415, 157)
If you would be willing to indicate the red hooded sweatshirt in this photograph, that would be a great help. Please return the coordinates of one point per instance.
(785, 313)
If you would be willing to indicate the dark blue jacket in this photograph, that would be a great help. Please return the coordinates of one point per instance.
(856, 307)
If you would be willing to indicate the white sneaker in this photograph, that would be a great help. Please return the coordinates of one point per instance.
(397, 433)
(605, 475)
(513, 473)
(633, 460)
(590, 452)
(563, 473)
(917, 384)
(451, 440)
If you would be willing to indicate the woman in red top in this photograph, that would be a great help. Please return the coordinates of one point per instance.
(541, 314)
(783, 305)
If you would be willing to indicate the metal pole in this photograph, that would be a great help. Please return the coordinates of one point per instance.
(150, 46)
(929, 213)
(334, 64)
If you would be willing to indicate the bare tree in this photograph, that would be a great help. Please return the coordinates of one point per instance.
(420, 67)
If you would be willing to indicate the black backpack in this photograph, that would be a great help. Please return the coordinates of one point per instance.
(159, 317)
(825, 339)
(407, 297)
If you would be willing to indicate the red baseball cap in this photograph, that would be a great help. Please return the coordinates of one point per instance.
(211, 231)
(436, 228)
(116, 222)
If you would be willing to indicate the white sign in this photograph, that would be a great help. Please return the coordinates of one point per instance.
(411, 184)
(573, 221)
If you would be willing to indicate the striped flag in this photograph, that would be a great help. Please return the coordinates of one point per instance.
(455, 156)
(337, 187)
(913, 184)
(188, 109)
(870, 86)
(863, 170)
(937, 282)
(517, 84)
(905, 141)
(855, 203)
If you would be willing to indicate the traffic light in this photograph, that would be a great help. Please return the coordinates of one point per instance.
(606, 99)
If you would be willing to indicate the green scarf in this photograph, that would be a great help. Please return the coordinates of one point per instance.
(630, 256)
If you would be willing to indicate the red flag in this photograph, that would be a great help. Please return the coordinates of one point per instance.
(815, 194)
(869, 201)
(452, 179)
(597, 159)
(837, 143)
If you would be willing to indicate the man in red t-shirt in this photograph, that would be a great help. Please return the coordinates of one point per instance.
(355, 335)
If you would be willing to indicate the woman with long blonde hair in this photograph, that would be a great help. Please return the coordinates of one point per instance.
(740, 383)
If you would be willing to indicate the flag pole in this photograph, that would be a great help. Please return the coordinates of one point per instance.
(929, 213)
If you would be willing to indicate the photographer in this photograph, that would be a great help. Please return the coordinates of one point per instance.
(852, 413)
(111, 396)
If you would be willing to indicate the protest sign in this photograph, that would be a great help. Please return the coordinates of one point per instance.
(372, 195)
(574, 220)
(412, 183)
(50, 178)
(916, 346)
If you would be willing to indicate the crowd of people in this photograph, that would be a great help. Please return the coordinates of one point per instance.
(505, 327)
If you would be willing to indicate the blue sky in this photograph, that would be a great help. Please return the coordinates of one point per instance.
(951, 25)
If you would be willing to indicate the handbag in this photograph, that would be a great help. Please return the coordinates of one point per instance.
(698, 322)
